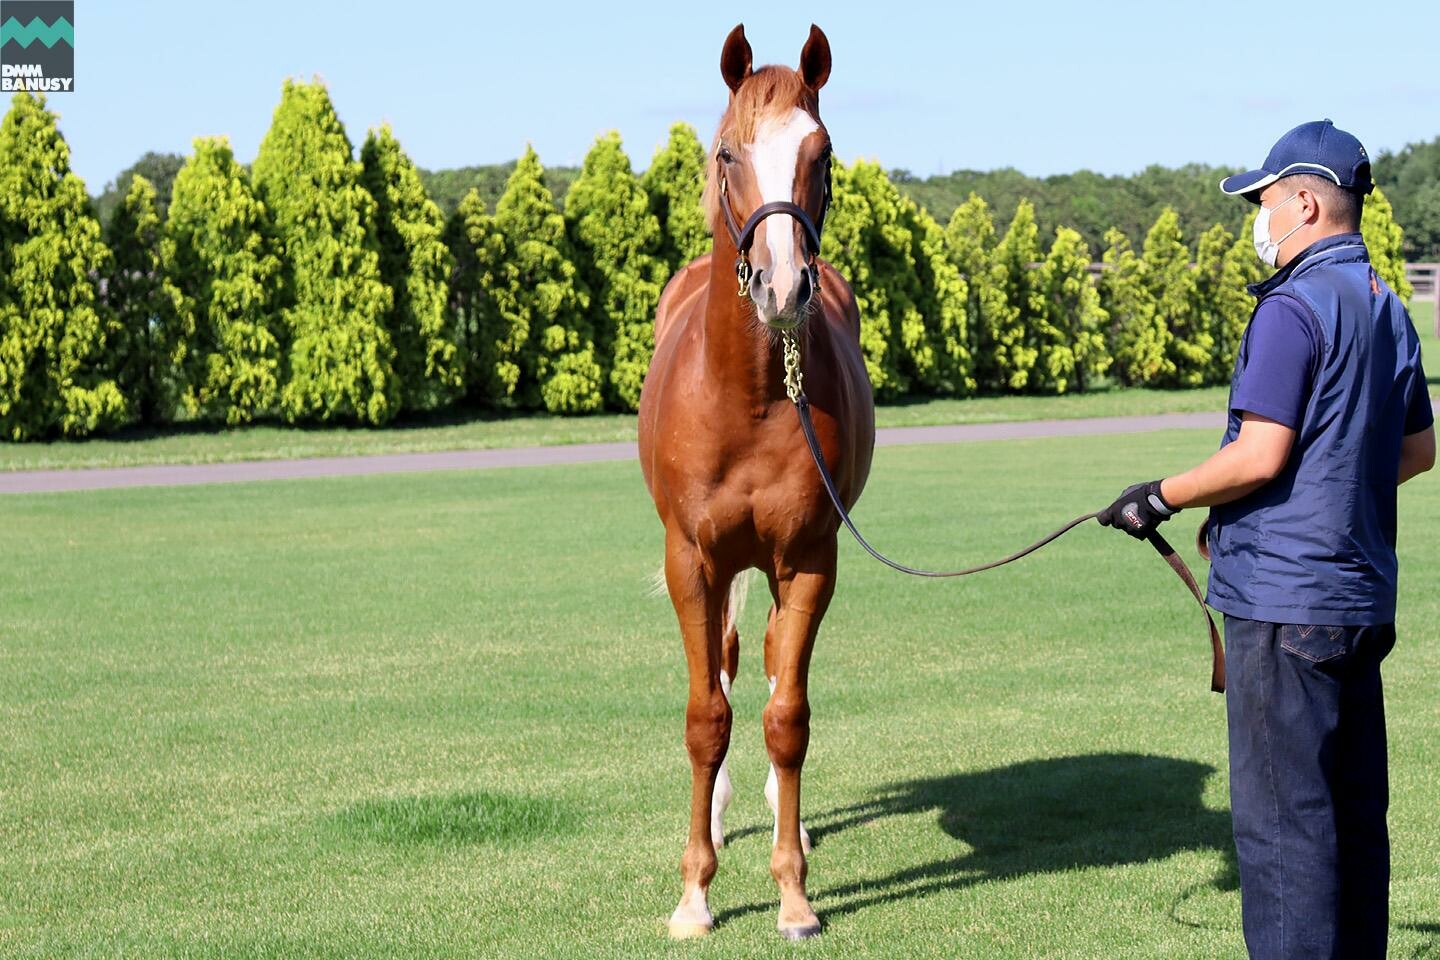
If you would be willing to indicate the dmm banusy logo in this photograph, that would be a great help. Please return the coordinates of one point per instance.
(37, 45)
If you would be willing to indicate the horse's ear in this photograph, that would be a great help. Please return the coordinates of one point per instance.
(735, 59)
(815, 59)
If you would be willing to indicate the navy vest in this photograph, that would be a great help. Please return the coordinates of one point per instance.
(1316, 545)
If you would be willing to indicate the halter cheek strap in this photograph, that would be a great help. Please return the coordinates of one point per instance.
(744, 236)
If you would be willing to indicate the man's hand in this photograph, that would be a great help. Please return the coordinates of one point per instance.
(1139, 510)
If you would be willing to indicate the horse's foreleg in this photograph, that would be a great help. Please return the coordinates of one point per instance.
(724, 789)
(698, 603)
(804, 596)
(729, 665)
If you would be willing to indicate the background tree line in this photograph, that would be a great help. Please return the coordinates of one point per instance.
(1411, 177)
(319, 286)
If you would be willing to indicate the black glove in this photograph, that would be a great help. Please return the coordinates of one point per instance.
(1138, 511)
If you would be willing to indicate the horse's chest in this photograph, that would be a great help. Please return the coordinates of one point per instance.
(766, 499)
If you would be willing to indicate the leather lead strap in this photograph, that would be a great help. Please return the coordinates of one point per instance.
(1161, 545)
(1177, 563)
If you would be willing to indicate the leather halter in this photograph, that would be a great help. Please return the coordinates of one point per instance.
(744, 237)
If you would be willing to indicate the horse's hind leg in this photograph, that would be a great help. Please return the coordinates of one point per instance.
(698, 606)
(804, 594)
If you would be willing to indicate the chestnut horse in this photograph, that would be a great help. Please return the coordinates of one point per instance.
(724, 457)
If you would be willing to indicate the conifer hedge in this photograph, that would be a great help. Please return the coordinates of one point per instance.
(326, 287)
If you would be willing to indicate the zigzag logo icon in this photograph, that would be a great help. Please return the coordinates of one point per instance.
(47, 33)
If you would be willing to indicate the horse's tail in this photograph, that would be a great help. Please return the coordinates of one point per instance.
(735, 597)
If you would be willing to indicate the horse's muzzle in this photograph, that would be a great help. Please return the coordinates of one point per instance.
(781, 301)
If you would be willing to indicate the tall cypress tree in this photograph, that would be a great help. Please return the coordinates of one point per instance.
(341, 363)
(142, 345)
(415, 264)
(943, 294)
(970, 235)
(846, 245)
(1072, 346)
(52, 335)
(617, 240)
(1189, 348)
(1137, 336)
(1386, 243)
(1233, 303)
(674, 182)
(868, 239)
(1017, 344)
(1212, 300)
(478, 250)
(545, 348)
(221, 269)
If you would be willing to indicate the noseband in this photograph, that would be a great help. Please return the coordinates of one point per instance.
(744, 237)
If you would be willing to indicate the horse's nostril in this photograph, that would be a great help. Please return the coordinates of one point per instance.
(803, 289)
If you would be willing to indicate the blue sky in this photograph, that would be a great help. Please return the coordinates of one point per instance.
(1046, 88)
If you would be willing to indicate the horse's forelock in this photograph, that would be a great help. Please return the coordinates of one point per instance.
(769, 92)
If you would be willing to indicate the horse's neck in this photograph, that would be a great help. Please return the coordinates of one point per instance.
(738, 347)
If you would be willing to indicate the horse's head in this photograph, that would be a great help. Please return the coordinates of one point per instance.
(768, 182)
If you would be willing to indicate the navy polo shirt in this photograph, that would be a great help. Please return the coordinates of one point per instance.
(1331, 353)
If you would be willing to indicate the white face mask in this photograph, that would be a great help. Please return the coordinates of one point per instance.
(1266, 249)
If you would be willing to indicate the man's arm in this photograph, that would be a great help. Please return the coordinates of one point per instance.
(1417, 453)
(1253, 459)
(1269, 394)
(1417, 447)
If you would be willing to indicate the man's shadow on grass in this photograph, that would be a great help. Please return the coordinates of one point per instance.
(1039, 816)
(1430, 946)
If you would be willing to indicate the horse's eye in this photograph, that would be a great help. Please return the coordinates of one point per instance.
(725, 154)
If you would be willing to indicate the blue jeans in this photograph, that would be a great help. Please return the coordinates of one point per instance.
(1309, 788)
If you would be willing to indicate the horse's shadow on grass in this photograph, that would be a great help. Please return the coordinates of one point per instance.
(1039, 816)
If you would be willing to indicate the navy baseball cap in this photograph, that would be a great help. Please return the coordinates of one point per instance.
(1317, 147)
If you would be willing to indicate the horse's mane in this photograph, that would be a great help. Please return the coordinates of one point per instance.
(769, 92)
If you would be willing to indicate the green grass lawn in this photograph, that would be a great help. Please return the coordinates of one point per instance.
(438, 716)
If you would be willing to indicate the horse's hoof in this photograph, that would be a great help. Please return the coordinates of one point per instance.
(688, 931)
(800, 933)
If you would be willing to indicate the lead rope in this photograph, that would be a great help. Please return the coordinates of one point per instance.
(795, 390)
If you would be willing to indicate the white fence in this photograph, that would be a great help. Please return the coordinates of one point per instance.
(1425, 278)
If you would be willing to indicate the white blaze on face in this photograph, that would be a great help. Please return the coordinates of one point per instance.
(774, 156)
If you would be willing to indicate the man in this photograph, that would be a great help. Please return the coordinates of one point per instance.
(1328, 414)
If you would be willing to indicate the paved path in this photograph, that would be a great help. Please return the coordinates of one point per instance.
(51, 481)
